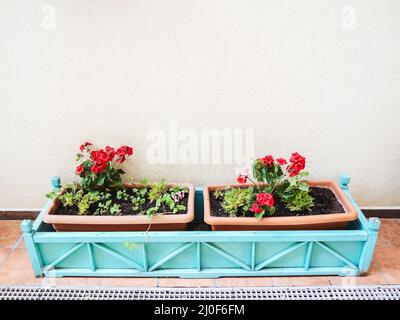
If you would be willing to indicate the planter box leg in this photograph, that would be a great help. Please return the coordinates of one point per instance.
(33, 251)
(349, 272)
(372, 228)
(369, 246)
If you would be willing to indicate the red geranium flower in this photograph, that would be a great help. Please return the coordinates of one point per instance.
(111, 153)
(281, 161)
(79, 169)
(298, 163)
(242, 179)
(267, 160)
(121, 159)
(100, 159)
(265, 199)
(99, 167)
(99, 156)
(85, 145)
(122, 152)
(255, 208)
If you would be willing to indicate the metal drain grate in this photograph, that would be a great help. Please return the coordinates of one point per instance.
(265, 293)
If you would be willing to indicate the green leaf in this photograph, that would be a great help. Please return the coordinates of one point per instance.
(303, 187)
(237, 198)
(151, 211)
(51, 195)
(101, 180)
(115, 209)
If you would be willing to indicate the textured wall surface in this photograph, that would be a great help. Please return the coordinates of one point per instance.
(318, 77)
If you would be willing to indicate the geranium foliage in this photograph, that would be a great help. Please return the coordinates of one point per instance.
(99, 168)
(100, 190)
(273, 179)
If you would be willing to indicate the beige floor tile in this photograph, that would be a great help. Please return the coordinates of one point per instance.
(21, 242)
(9, 232)
(300, 281)
(16, 269)
(244, 282)
(3, 253)
(374, 276)
(389, 233)
(73, 281)
(388, 259)
(178, 282)
(129, 282)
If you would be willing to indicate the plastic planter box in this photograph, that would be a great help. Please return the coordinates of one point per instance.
(202, 254)
(311, 222)
(121, 223)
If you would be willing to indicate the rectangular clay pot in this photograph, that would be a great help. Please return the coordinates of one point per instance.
(170, 222)
(314, 222)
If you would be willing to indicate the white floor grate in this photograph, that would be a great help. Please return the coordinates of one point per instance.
(264, 293)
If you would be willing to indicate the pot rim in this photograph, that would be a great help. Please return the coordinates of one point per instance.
(50, 218)
(350, 213)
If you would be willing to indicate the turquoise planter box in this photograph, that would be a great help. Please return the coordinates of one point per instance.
(202, 254)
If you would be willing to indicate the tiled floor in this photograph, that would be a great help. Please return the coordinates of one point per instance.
(15, 268)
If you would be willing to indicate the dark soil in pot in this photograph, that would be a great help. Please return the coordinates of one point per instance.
(325, 202)
(126, 207)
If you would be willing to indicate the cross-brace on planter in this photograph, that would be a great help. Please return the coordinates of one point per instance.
(202, 254)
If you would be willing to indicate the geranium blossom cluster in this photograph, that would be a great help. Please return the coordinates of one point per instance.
(273, 172)
(297, 163)
(100, 159)
(263, 201)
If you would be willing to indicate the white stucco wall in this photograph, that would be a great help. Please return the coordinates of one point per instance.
(318, 77)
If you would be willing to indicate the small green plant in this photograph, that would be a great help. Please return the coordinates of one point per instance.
(299, 201)
(295, 195)
(103, 207)
(87, 200)
(75, 195)
(157, 190)
(179, 207)
(70, 198)
(165, 199)
(138, 198)
(115, 209)
(284, 180)
(236, 199)
(122, 195)
(218, 194)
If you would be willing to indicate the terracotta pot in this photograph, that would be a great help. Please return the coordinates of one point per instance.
(171, 222)
(314, 222)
